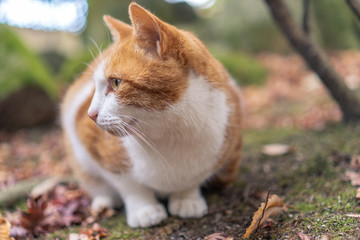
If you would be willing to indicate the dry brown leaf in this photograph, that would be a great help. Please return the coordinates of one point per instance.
(275, 149)
(95, 232)
(303, 236)
(219, 236)
(274, 206)
(358, 194)
(354, 177)
(4, 229)
(355, 162)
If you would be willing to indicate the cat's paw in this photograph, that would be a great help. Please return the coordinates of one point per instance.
(188, 207)
(147, 216)
(99, 203)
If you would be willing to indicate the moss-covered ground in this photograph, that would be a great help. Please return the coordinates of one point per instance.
(310, 180)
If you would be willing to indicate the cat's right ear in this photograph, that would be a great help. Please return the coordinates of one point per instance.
(118, 29)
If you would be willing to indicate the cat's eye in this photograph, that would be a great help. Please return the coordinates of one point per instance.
(115, 83)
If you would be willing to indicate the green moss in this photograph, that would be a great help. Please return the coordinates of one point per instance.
(116, 226)
(333, 224)
(257, 138)
(305, 207)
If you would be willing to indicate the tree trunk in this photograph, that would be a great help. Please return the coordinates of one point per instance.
(306, 12)
(316, 59)
(355, 7)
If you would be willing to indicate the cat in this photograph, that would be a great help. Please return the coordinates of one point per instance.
(153, 114)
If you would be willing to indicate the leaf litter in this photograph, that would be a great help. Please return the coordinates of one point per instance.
(63, 206)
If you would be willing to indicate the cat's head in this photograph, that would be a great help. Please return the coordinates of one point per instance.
(145, 72)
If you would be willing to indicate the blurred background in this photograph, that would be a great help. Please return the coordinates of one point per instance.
(45, 44)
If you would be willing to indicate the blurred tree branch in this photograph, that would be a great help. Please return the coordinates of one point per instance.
(316, 59)
(355, 7)
(305, 22)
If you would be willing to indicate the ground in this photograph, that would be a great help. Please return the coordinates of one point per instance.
(310, 178)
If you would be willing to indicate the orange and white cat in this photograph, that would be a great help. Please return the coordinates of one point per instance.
(155, 113)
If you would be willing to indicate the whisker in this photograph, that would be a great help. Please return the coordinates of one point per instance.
(97, 46)
(89, 65)
(152, 147)
(91, 53)
(116, 123)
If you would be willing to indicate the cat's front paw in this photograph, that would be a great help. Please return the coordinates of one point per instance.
(146, 216)
(100, 203)
(188, 207)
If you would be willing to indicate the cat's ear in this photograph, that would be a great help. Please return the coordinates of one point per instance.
(147, 29)
(118, 29)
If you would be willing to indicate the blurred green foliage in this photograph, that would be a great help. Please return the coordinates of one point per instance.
(21, 67)
(338, 26)
(73, 67)
(244, 68)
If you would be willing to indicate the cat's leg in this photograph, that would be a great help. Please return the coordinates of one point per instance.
(188, 204)
(142, 207)
(102, 194)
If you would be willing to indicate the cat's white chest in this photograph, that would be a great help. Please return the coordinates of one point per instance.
(186, 153)
(173, 169)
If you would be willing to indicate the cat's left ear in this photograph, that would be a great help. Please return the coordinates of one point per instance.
(119, 30)
(148, 28)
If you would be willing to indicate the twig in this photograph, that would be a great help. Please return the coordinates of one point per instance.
(10, 195)
(263, 212)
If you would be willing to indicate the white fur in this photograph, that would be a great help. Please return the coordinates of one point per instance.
(100, 86)
(101, 202)
(188, 204)
(184, 143)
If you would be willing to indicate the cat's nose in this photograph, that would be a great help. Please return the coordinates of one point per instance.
(93, 115)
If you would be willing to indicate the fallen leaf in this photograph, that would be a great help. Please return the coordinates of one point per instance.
(358, 194)
(303, 236)
(218, 236)
(325, 237)
(355, 162)
(275, 149)
(95, 232)
(4, 229)
(353, 215)
(274, 206)
(354, 177)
